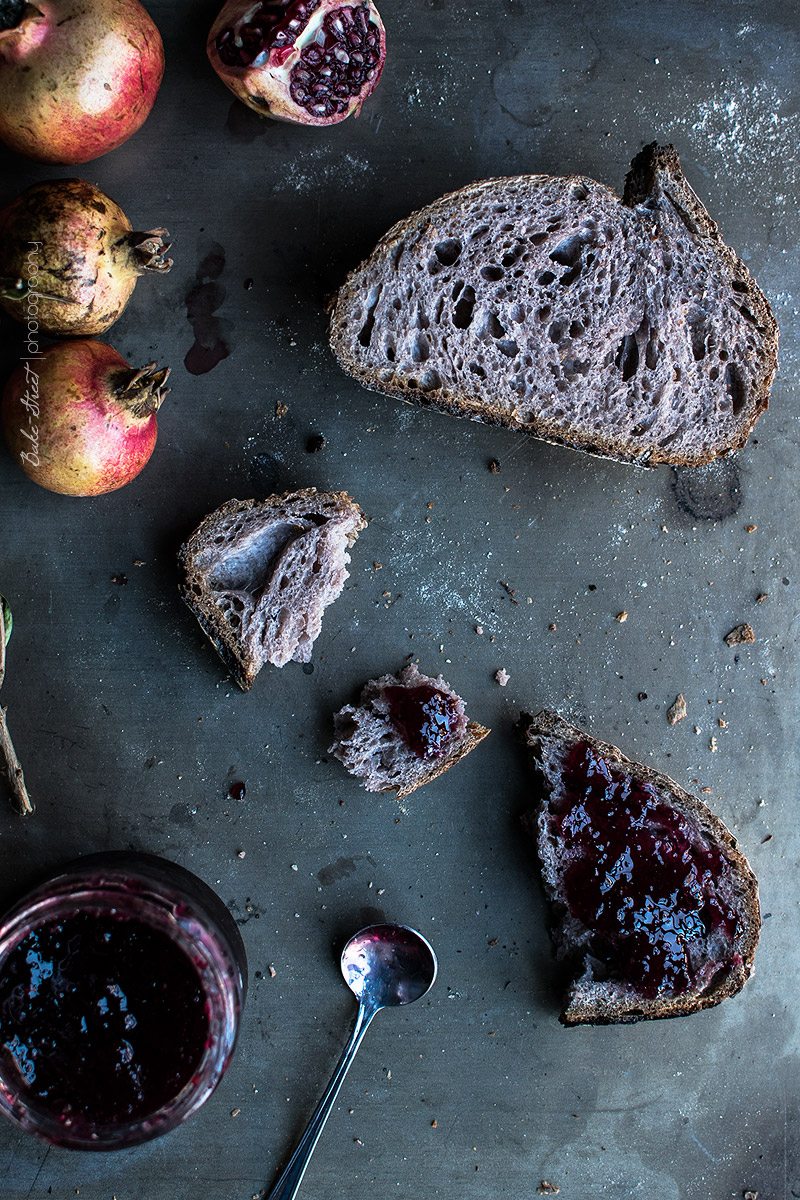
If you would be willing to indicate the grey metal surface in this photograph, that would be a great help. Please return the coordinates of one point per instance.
(131, 733)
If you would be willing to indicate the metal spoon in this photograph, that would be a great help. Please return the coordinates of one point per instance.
(384, 966)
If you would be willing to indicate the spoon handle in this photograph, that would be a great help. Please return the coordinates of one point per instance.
(289, 1181)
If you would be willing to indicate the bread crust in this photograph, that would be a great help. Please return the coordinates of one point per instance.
(587, 1000)
(656, 190)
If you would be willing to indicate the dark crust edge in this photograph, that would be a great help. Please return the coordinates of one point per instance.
(658, 165)
(211, 622)
(473, 734)
(548, 724)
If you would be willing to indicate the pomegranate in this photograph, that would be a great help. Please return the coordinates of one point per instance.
(69, 248)
(77, 77)
(79, 420)
(312, 62)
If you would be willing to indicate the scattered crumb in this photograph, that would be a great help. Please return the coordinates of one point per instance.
(281, 409)
(722, 724)
(750, 528)
(376, 566)
(235, 1112)
(761, 597)
(712, 745)
(272, 972)
(547, 1189)
(139, 562)
(705, 789)
(120, 579)
(552, 627)
(677, 710)
(641, 695)
(494, 466)
(621, 616)
(479, 630)
(434, 1123)
(751, 1196)
(502, 676)
(742, 633)
(240, 853)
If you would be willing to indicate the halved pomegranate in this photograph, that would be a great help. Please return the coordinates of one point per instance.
(311, 62)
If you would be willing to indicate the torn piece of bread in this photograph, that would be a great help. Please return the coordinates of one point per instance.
(626, 328)
(406, 730)
(653, 904)
(258, 575)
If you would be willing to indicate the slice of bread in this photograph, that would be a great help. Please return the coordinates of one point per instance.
(626, 328)
(654, 906)
(406, 730)
(258, 575)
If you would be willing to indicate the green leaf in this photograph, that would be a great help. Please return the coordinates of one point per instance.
(7, 619)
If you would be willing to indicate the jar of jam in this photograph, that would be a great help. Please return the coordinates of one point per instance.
(122, 980)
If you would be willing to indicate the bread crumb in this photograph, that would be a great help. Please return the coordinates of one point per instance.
(741, 633)
(479, 630)
(722, 724)
(712, 745)
(494, 466)
(281, 409)
(235, 1112)
(677, 710)
(502, 676)
(433, 1123)
(240, 853)
(552, 627)
(272, 972)
(761, 597)
(750, 528)
(621, 616)
(546, 1188)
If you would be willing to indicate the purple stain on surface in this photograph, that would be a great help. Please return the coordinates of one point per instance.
(203, 299)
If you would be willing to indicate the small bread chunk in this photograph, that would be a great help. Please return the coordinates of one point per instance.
(258, 575)
(654, 907)
(626, 328)
(405, 731)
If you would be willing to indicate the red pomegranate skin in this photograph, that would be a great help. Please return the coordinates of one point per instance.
(77, 78)
(66, 427)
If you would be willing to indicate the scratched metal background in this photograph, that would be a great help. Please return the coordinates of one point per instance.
(131, 733)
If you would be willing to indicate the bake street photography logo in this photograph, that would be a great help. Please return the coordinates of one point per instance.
(27, 290)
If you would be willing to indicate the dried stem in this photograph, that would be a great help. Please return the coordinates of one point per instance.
(8, 755)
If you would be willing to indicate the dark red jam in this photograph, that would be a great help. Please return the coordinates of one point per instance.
(641, 877)
(102, 1019)
(424, 717)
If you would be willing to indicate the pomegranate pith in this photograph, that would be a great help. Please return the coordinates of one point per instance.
(311, 62)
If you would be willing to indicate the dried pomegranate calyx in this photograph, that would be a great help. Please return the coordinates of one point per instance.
(142, 390)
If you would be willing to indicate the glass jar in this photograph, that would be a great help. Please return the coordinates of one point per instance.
(122, 980)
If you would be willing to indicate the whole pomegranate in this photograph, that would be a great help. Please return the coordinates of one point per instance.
(79, 420)
(312, 62)
(72, 249)
(77, 77)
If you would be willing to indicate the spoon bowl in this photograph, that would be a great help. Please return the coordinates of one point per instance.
(384, 966)
(388, 965)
